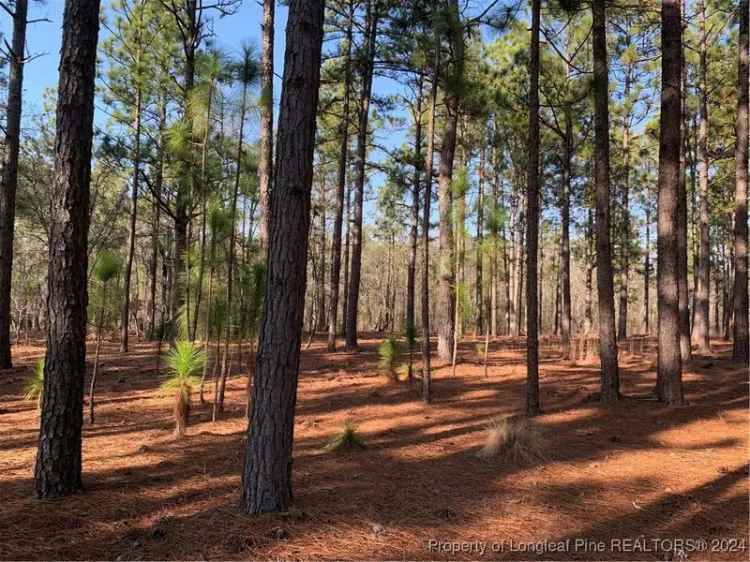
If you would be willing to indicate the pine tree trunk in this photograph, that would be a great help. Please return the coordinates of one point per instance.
(647, 277)
(610, 380)
(532, 229)
(588, 313)
(205, 190)
(219, 402)
(669, 371)
(320, 321)
(622, 319)
(494, 269)
(701, 329)
(566, 302)
(355, 269)
(267, 474)
(58, 463)
(155, 226)
(9, 180)
(333, 301)
(741, 348)
(686, 352)
(428, 166)
(411, 275)
(265, 160)
(125, 314)
(479, 293)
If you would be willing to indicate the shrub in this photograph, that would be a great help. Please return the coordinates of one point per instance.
(184, 360)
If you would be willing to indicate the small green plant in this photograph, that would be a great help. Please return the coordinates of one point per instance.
(34, 389)
(389, 352)
(514, 439)
(184, 360)
(347, 440)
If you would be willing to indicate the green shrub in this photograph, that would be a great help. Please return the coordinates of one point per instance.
(184, 360)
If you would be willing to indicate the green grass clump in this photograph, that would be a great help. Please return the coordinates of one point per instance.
(346, 440)
(34, 389)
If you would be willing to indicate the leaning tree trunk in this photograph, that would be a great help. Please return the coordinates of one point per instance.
(267, 475)
(741, 349)
(355, 271)
(333, 301)
(125, 315)
(9, 180)
(610, 380)
(701, 328)
(265, 160)
(532, 217)
(669, 371)
(58, 463)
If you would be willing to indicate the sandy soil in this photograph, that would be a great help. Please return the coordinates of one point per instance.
(625, 483)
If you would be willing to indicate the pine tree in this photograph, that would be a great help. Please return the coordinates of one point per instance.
(266, 481)
(58, 463)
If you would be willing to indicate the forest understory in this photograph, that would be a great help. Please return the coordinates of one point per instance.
(418, 490)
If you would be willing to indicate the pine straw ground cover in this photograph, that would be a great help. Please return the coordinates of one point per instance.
(635, 470)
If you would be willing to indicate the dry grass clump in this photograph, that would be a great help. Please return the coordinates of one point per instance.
(346, 440)
(514, 439)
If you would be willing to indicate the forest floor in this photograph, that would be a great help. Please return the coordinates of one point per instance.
(620, 483)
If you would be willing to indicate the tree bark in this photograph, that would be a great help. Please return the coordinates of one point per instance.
(219, 403)
(9, 180)
(355, 269)
(446, 264)
(566, 302)
(411, 275)
(647, 277)
(532, 217)
(669, 371)
(156, 225)
(125, 314)
(701, 329)
(610, 380)
(479, 293)
(428, 166)
(686, 352)
(267, 482)
(741, 348)
(622, 319)
(340, 194)
(58, 463)
(265, 160)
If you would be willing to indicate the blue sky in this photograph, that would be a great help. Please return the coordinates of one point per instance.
(43, 39)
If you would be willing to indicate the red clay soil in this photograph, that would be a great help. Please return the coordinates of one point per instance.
(625, 483)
